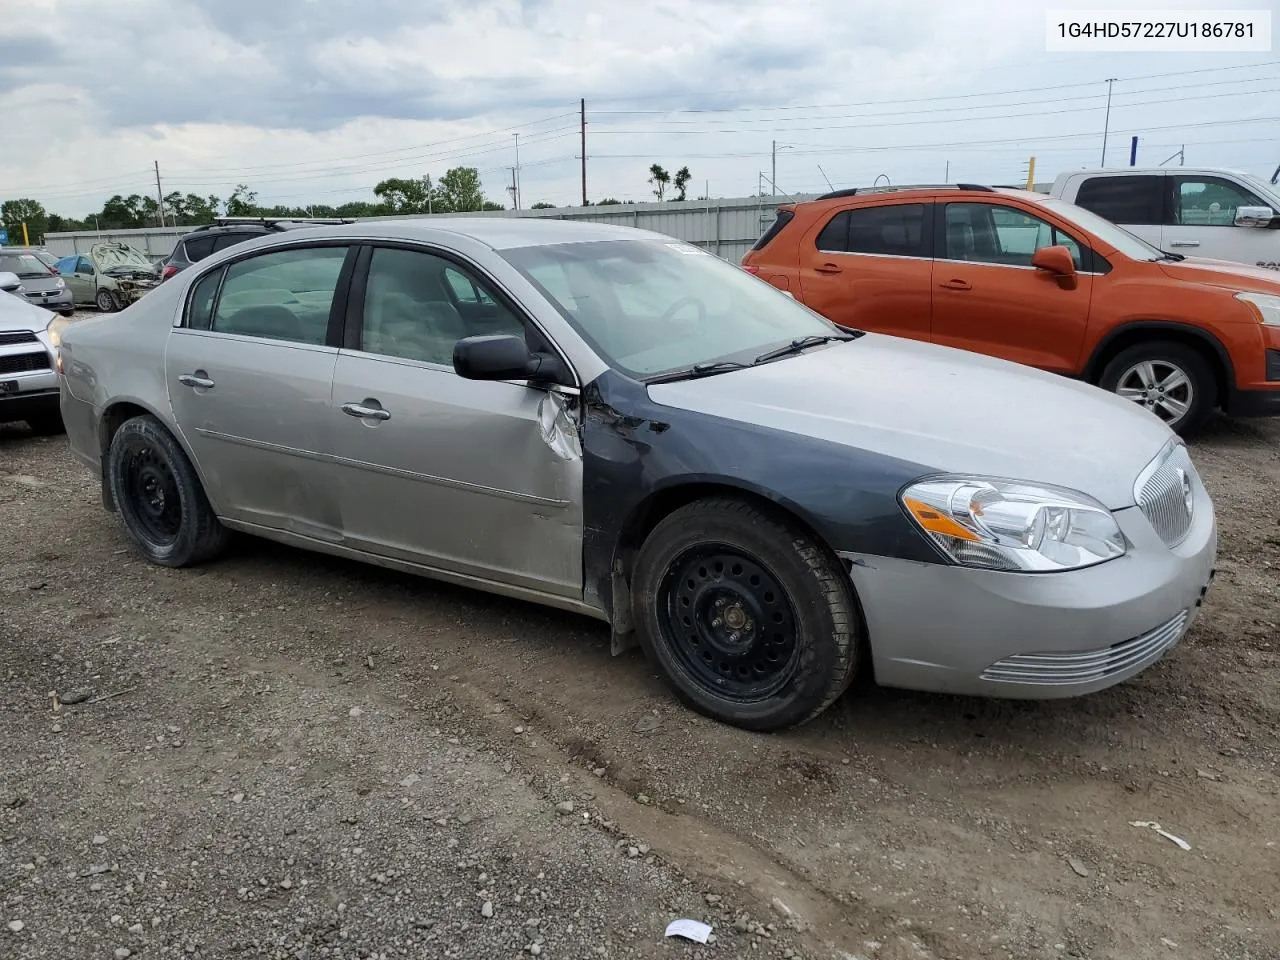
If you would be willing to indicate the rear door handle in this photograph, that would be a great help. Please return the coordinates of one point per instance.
(197, 379)
(956, 284)
(366, 412)
(826, 268)
(1184, 243)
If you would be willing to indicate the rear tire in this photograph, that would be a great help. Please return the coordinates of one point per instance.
(1171, 380)
(751, 621)
(159, 496)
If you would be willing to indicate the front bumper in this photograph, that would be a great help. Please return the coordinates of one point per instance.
(59, 301)
(950, 629)
(19, 406)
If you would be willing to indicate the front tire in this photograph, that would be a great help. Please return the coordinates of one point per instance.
(1171, 380)
(159, 496)
(106, 301)
(751, 621)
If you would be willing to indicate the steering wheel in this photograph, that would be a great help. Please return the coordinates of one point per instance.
(671, 311)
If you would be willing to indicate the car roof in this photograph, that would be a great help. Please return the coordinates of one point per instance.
(1149, 171)
(497, 232)
(966, 191)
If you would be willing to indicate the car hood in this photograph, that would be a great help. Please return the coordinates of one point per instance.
(1224, 273)
(17, 314)
(112, 254)
(45, 281)
(949, 410)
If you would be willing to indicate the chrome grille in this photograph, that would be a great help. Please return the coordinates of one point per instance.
(17, 336)
(1050, 669)
(1162, 492)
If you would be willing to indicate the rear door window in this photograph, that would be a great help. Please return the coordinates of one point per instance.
(282, 295)
(224, 240)
(888, 230)
(1133, 199)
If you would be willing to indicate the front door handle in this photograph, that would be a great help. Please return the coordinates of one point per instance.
(826, 268)
(197, 379)
(1184, 243)
(956, 284)
(365, 412)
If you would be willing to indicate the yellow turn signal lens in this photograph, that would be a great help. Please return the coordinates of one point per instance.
(935, 521)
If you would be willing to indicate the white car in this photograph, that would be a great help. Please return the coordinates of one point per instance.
(1199, 212)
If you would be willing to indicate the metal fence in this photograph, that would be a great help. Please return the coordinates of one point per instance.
(726, 227)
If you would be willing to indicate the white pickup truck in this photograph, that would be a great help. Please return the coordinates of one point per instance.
(1200, 212)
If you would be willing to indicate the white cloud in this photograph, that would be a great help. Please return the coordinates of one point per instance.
(308, 100)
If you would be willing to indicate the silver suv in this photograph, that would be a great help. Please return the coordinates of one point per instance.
(28, 363)
(41, 283)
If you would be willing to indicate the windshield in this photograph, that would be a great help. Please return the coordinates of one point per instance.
(1135, 248)
(25, 265)
(109, 255)
(1267, 192)
(653, 306)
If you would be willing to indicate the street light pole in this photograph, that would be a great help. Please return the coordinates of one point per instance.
(1106, 124)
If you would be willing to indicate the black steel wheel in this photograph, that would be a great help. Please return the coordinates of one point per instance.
(751, 621)
(159, 497)
(729, 621)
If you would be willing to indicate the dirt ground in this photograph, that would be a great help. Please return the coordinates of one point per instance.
(286, 755)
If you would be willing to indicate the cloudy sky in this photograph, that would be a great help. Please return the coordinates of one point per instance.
(318, 100)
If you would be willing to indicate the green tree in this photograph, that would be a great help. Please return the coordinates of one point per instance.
(123, 213)
(14, 213)
(681, 182)
(407, 196)
(242, 202)
(607, 202)
(460, 191)
(543, 205)
(658, 179)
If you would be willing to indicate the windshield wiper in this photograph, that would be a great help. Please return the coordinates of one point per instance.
(698, 370)
(1166, 255)
(802, 344)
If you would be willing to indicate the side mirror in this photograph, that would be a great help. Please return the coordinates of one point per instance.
(1057, 261)
(9, 282)
(1254, 216)
(504, 357)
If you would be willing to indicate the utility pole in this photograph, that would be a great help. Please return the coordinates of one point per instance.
(582, 108)
(515, 202)
(1106, 124)
(515, 173)
(159, 195)
(946, 177)
(773, 171)
(1031, 174)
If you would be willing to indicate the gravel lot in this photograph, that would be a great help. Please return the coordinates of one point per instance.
(287, 755)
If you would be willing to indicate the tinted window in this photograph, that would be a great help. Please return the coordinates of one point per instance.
(1209, 201)
(835, 235)
(989, 233)
(782, 218)
(198, 248)
(412, 309)
(285, 295)
(224, 240)
(200, 312)
(1133, 200)
(895, 230)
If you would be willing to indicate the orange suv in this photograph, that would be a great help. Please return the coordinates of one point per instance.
(1040, 281)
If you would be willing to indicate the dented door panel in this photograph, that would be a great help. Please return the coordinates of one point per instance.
(478, 478)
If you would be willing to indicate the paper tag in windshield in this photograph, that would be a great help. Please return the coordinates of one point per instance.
(688, 250)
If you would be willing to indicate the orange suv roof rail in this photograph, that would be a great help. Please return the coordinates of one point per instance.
(860, 191)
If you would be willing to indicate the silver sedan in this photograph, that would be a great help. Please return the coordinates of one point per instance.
(617, 423)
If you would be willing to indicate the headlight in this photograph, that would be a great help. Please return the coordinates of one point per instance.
(1267, 307)
(59, 283)
(1007, 525)
(55, 328)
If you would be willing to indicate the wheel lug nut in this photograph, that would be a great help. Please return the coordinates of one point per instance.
(717, 622)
